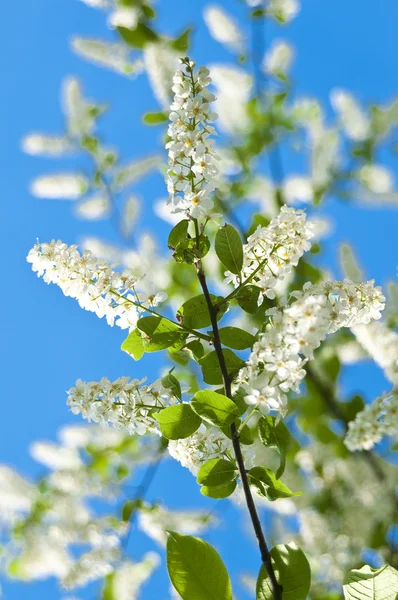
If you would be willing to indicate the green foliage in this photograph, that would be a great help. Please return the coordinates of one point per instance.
(194, 313)
(181, 43)
(268, 486)
(134, 344)
(219, 491)
(155, 118)
(247, 298)
(196, 347)
(214, 408)
(178, 422)
(138, 37)
(211, 367)
(178, 234)
(236, 338)
(275, 436)
(371, 584)
(161, 333)
(292, 572)
(229, 249)
(196, 569)
(217, 471)
(171, 383)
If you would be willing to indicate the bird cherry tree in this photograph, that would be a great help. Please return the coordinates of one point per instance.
(253, 328)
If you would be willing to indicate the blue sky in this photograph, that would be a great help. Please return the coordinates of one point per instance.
(48, 341)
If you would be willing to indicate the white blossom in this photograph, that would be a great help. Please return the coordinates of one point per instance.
(157, 520)
(376, 420)
(92, 282)
(80, 113)
(67, 186)
(55, 457)
(128, 579)
(223, 27)
(355, 122)
(276, 363)
(271, 252)
(131, 211)
(297, 188)
(192, 170)
(124, 16)
(134, 170)
(382, 345)
(279, 58)
(283, 10)
(161, 63)
(115, 56)
(206, 443)
(125, 404)
(233, 88)
(93, 208)
(38, 144)
(92, 565)
(377, 178)
(16, 493)
(349, 263)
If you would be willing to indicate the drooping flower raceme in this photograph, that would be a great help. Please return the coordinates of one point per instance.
(128, 405)
(373, 422)
(92, 282)
(192, 170)
(271, 252)
(382, 345)
(205, 444)
(276, 364)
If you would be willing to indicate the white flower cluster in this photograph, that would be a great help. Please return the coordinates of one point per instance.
(373, 422)
(382, 345)
(192, 171)
(205, 444)
(271, 252)
(276, 363)
(126, 404)
(354, 121)
(91, 281)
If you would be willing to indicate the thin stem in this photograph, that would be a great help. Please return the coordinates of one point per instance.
(265, 554)
(198, 334)
(249, 416)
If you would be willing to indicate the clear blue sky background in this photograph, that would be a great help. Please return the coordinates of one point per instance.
(47, 340)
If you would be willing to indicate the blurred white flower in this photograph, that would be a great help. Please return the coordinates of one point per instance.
(115, 56)
(223, 27)
(349, 263)
(54, 456)
(354, 121)
(93, 208)
(279, 58)
(283, 10)
(161, 62)
(297, 188)
(124, 16)
(131, 211)
(66, 186)
(376, 178)
(38, 144)
(233, 87)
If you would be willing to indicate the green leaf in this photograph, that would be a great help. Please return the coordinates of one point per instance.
(138, 37)
(154, 118)
(178, 422)
(292, 572)
(171, 383)
(196, 347)
(134, 344)
(229, 248)
(195, 314)
(236, 338)
(211, 367)
(178, 233)
(161, 333)
(371, 584)
(246, 436)
(275, 436)
(182, 42)
(196, 569)
(267, 485)
(214, 408)
(217, 471)
(218, 491)
(248, 298)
